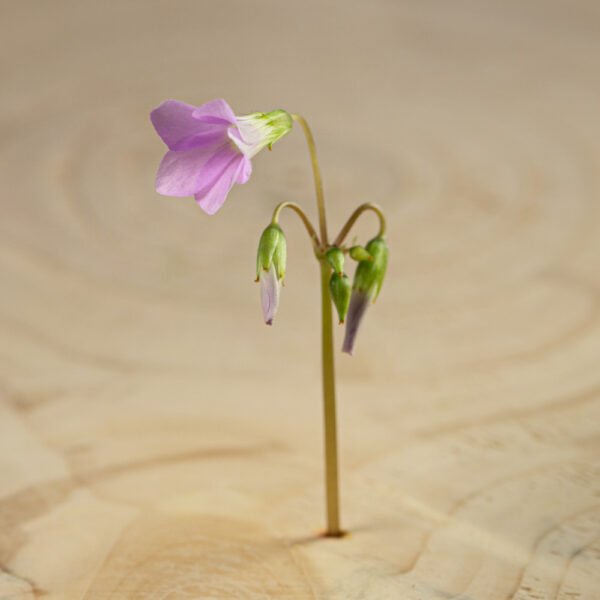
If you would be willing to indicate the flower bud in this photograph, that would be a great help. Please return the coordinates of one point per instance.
(270, 269)
(368, 280)
(335, 258)
(369, 274)
(340, 289)
(358, 253)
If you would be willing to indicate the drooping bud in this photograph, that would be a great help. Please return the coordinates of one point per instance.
(358, 253)
(368, 280)
(340, 289)
(335, 258)
(270, 269)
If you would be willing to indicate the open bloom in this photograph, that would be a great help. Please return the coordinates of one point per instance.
(210, 148)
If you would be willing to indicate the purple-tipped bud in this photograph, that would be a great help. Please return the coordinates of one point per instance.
(270, 269)
(368, 280)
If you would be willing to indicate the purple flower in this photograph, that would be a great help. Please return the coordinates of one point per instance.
(210, 148)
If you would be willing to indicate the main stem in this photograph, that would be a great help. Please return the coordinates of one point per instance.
(329, 411)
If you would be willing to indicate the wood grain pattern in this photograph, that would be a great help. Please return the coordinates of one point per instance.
(158, 442)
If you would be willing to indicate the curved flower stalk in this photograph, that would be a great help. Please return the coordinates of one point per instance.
(210, 148)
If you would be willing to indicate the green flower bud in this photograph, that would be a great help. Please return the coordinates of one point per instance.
(335, 258)
(370, 274)
(358, 253)
(340, 289)
(271, 249)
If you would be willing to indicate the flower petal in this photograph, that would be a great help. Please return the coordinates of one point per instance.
(269, 293)
(250, 132)
(215, 112)
(213, 134)
(179, 129)
(211, 197)
(187, 172)
(249, 148)
(359, 301)
(245, 171)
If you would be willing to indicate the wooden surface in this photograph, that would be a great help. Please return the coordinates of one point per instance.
(158, 441)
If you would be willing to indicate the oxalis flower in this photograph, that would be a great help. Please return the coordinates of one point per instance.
(210, 148)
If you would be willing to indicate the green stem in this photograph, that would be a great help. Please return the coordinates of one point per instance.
(309, 228)
(317, 175)
(329, 412)
(354, 216)
(328, 369)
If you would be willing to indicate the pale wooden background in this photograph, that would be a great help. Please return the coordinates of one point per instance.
(158, 441)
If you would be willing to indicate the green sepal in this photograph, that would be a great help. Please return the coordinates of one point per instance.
(280, 121)
(340, 290)
(335, 258)
(370, 274)
(358, 253)
(270, 243)
(280, 256)
(269, 127)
